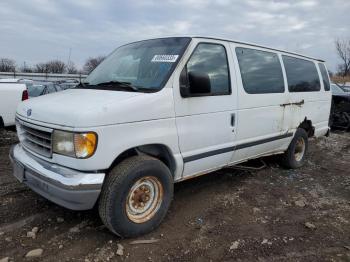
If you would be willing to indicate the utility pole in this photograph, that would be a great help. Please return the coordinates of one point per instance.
(70, 52)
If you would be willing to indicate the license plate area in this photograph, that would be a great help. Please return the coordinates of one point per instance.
(18, 171)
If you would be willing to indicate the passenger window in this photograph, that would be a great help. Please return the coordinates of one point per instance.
(302, 75)
(210, 60)
(261, 71)
(325, 78)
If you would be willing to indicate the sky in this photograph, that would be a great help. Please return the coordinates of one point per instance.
(40, 30)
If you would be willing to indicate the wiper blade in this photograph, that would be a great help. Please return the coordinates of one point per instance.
(119, 84)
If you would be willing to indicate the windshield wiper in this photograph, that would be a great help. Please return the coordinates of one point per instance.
(115, 85)
(119, 84)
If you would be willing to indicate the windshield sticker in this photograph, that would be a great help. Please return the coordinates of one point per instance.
(164, 58)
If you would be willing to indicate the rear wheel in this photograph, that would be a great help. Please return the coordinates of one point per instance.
(136, 196)
(295, 155)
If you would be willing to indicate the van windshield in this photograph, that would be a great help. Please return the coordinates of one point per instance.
(141, 66)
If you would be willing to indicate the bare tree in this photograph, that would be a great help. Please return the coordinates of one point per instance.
(41, 68)
(71, 68)
(56, 67)
(26, 68)
(343, 51)
(92, 63)
(7, 65)
(53, 66)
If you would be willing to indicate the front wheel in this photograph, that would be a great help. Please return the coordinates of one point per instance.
(136, 196)
(295, 155)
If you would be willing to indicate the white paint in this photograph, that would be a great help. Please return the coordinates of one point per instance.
(185, 126)
(10, 96)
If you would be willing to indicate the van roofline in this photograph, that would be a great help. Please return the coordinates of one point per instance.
(237, 42)
(260, 46)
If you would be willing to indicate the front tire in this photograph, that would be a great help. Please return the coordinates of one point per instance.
(295, 155)
(136, 196)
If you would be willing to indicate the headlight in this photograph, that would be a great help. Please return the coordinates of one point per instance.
(79, 145)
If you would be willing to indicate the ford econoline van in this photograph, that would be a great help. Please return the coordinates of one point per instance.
(161, 111)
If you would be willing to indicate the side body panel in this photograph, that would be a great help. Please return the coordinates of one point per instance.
(262, 123)
(206, 134)
(314, 106)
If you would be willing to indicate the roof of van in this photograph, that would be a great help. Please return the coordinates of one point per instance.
(257, 45)
(241, 42)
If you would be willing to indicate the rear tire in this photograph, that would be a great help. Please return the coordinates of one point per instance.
(295, 155)
(136, 196)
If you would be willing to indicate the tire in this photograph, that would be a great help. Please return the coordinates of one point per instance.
(295, 155)
(136, 196)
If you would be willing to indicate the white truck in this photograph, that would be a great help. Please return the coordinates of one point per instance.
(12, 92)
(161, 111)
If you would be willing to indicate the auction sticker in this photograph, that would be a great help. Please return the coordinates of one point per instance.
(165, 58)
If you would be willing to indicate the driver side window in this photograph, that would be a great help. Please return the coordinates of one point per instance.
(208, 61)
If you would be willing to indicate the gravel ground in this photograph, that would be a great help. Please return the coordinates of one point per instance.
(268, 215)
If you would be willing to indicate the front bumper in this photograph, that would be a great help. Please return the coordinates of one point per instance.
(66, 187)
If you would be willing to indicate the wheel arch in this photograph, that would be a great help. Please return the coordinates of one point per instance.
(159, 151)
(308, 127)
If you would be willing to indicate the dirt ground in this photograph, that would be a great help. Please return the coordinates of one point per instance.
(268, 215)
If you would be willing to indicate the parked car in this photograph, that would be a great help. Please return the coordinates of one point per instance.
(340, 112)
(12, 92)
(161, 111)
(68, 83)
(346, 87)
(43, 88)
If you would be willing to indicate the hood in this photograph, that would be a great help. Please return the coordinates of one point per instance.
(89, 108)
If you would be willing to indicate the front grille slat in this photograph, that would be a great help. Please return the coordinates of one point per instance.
(37, 148)
(39, 133)
(35, 139)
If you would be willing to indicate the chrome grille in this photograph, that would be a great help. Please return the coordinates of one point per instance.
(35, 138)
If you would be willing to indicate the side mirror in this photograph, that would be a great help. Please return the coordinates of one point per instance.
(194, 83)
(184, 85)
(199, 83)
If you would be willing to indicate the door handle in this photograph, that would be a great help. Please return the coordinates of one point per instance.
(299, 103)
(233, 118)
(295, 103)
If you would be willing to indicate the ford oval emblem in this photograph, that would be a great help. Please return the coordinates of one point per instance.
(29, 112)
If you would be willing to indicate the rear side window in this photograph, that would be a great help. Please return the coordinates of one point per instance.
(325, 78)
(302, 75)
(261, 71)
(211, 59)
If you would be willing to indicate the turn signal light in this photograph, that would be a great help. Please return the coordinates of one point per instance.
(85, 144)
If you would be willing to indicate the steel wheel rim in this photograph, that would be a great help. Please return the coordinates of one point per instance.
(144, 199)
(299, 150)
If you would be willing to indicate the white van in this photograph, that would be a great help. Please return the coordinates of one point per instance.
(165, 110)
